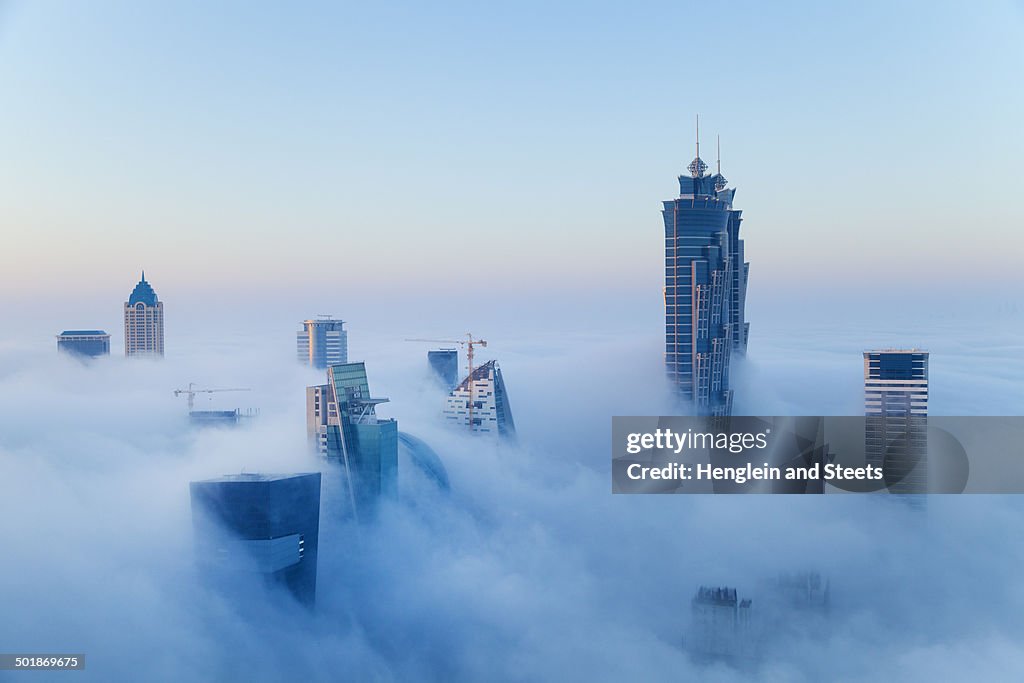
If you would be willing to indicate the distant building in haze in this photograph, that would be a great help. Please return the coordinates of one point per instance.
(322, 342)
(705, 289)
(445, 365)
(896, 417)
(143, 321)
(91, 343)
(342, 425)
(213, 418)
(265, 524)
(481, 403)
(721, 626)
(793, 610)
(221, 418)
(804, 591)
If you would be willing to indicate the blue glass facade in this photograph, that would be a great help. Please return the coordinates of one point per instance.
(445, 365)
(365, 445)
(506, 425)
(423, 457)
(263, 523)
(90, 343)
(705, 290)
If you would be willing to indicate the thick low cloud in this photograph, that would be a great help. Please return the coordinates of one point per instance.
(528, 569)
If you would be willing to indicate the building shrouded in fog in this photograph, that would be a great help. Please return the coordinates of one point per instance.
(264, 524)
(794, 609)
(90, 343)
(143, 321)
(804, 590)
(445, 365)
(721, 626)
(896, 417)
(342, 425)
(322, 342)
(705, 289)
(481, 403)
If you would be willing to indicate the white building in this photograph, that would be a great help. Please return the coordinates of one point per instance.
(480, 403)
(143, 321)
(321, 412)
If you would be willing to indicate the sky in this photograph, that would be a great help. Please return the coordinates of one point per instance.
(262, 151)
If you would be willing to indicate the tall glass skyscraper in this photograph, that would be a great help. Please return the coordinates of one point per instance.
(143, 321)
(705, 289)
(343, 426)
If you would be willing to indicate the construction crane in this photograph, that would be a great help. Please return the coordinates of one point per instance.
(469, 343)
(191, 393)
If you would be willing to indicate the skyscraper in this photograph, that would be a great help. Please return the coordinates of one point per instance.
(322, 342)
(263, 523)
(445, 365)
(896, 417)
(721, 626)
(143, 321)
(342, 425)
(89, 343)
(807, 590)
(481, 403)
(705, 288)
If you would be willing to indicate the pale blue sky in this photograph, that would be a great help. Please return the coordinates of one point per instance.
(247, 146)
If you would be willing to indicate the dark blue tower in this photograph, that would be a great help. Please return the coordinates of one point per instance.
(705, 289)
(267, 524)
(445, 365)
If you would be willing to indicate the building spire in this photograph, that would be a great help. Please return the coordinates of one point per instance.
(697, 166)
(698, 136)
(143, 274)
(720, 181)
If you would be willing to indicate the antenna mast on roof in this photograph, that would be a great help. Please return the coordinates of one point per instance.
(697, 166)
(720, 181)
(698, 136)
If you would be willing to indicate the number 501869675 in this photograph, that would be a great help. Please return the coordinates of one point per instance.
(47, 661)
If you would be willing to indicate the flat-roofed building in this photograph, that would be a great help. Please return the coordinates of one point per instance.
(445, 365)
(267, 524)
(322, 342)
(89, 343)
(896, 417)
